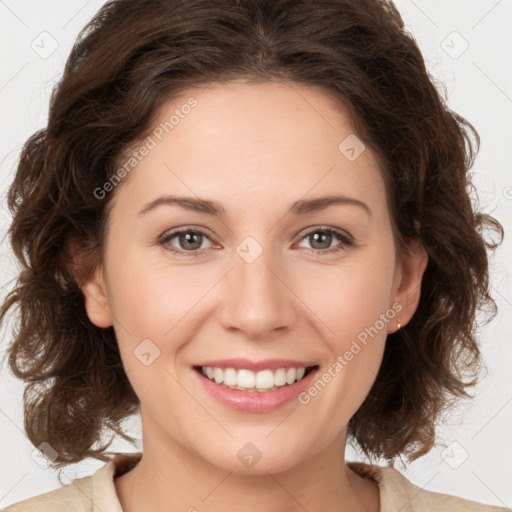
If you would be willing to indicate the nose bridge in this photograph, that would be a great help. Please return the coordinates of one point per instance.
(257, 300)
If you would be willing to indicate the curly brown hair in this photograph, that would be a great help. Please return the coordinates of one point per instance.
(134, 56)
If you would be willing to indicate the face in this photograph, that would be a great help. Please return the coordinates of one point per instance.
(274, 274)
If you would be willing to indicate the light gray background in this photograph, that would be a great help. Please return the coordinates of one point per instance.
(35, 39)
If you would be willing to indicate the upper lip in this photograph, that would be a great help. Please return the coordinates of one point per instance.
(266, 364)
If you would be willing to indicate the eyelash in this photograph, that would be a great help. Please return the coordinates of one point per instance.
(345, 239)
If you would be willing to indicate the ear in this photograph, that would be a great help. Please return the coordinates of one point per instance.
(408, 278)
(90, 279)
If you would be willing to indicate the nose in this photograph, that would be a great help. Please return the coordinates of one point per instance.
(256, 298)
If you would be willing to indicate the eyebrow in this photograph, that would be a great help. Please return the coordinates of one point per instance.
(301, 207)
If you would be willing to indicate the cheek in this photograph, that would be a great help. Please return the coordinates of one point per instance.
(147, 303)
(353, 299)
(355, 307)
(149, 296)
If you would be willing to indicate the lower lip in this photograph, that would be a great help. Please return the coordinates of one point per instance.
(255, 401)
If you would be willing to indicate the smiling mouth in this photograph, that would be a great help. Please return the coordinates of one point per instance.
(247, 380)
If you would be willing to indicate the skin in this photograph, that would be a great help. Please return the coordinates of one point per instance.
(254, 149)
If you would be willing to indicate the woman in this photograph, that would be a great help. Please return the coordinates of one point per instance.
(249, 221)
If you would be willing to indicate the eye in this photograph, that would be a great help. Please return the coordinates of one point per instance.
(321, 239)
(190, 241)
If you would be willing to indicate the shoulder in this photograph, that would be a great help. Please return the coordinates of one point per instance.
(75, 496)
(399, 493)
(95, 492)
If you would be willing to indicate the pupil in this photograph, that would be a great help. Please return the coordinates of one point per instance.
(317, 236)
(186, 237)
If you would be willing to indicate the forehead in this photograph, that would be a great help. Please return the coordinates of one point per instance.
(254, 143)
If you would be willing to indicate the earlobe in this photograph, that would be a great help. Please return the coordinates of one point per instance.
(413, 265)
(91, 282)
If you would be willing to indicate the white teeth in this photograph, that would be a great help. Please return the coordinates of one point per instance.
(280, 377)
(264, 380)
(218, 375)
(254, 381)
(246, 379)
(230, 377)
(291, 375)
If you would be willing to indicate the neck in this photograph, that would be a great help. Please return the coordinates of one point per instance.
(169, 475)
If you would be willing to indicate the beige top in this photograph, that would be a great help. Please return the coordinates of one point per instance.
(97, 493)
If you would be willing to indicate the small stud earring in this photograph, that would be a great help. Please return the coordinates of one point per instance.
(399, 325)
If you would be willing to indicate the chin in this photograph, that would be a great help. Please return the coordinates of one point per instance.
(255, 457)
